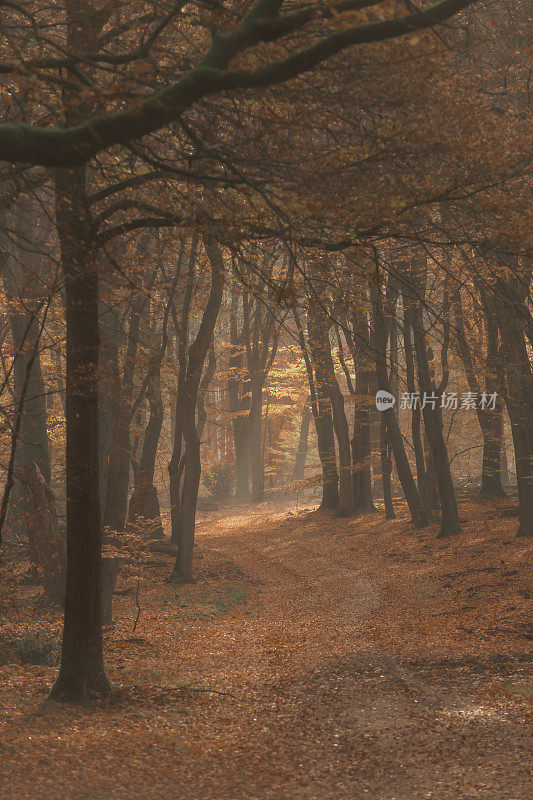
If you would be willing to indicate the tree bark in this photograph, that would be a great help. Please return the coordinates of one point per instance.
(44, 532)
(359, 341)
(23, 279)
(182, 572)
(303, 442)
(519, 387)
(432, 415)
(82, 672)
(490, 421)
(416, 507)
(327, 384)
(324, 428)
(144, 503)
(386, 470)
(416, 413)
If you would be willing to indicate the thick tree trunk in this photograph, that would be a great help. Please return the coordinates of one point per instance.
(519, 394)
(82, 672)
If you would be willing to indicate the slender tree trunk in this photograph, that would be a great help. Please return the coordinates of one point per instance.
(118, 466)
(416, 413)
(303, 442)
(324, 429)
(320, 346)
(255, 417)
(432, 414)
(385, 448)
(490, 421)
(361, 444)
(386, 470)
(144, 503)
(430, 487)
(239, 403)
(416, 507)
(182, 572)
(177, 461)
(23, 280)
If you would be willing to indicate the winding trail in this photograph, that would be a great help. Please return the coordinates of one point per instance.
(326, 662)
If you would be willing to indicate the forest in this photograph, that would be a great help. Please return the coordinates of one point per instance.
(266, 400)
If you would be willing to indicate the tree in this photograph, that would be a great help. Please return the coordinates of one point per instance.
(80, 140)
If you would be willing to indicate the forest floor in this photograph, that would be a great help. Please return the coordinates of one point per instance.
(354, 658)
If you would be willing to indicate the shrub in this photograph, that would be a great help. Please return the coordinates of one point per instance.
(35, 648)
(218, 480)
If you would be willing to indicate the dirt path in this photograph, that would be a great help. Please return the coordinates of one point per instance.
(346, 670)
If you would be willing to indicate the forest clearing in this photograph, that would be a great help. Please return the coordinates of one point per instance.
(266, 400)
(397, 666)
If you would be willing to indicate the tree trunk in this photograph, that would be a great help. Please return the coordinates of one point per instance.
(416, 413)
(44, 533)
(490, 421)
(324, 429)
(23, 272)
(303, 446)
(118, 466)
(177, 461)
(82, 672)
(110, 567)
(182, 572)
(326, 381)
(519, 394)
(361, 444)
(144, 503)
(432, 416)
(416, 507)
(386, 470)
(239, 403)
(255, 417)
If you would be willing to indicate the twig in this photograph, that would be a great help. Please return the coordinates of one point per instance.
(18, 414)
(137, 604)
